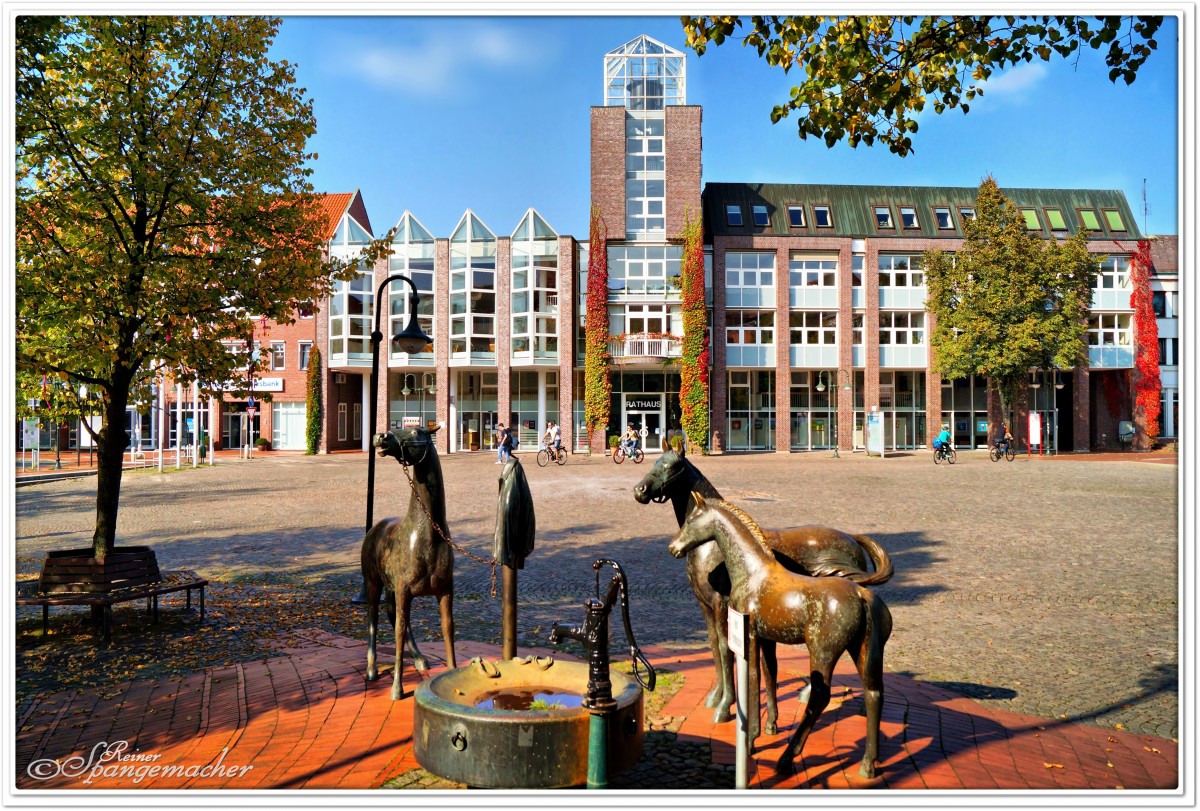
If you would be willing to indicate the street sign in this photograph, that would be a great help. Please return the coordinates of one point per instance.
(251, 411)
(250, 402)
(736, 635)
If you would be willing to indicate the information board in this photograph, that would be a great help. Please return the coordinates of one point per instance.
(875, 434)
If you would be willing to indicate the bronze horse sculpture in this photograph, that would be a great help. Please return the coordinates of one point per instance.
(810, 550)
(410, 556)
(831, 615)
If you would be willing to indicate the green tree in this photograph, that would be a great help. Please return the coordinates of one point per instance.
(161, 201)
(1008, 301)
(867, 78)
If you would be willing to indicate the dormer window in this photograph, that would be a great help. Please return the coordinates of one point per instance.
(1113, 218)
(883, 217)
(944, 220)
(733, 215)
(1031, 219)
(1088, 217)
(796, 216)
(1055, 217)
(966, 213)
(761, 219)
(908, 217)
(823, 216)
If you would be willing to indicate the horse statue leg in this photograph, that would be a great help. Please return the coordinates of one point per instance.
(414, 653)
(771, 669)
(371, 589)
(723, 657)
(869, 661)
(818, 700)
(403, 614)
(446, 606)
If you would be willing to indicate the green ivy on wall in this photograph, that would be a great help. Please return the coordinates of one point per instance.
(693, 383)
(597, 387)
(313, 402)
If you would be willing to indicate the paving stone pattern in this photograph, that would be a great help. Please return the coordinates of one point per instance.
(1043, 587)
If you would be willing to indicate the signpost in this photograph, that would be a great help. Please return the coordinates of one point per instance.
(875, 434)
(737, 635)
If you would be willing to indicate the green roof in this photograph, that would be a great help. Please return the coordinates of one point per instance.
(853, 208)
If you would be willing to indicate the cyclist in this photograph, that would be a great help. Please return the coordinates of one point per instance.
(1003, 438)
(553, 437)
(943, 439)
(629, 440)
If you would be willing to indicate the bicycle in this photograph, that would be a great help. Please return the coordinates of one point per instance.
(544, 455)
(945, 452)
(619, 454)
(1008, 452)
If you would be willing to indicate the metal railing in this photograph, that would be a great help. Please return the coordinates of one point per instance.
(644, 346)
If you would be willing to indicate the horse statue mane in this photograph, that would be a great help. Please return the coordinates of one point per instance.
(741, 515)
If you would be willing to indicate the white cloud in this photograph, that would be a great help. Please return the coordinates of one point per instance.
(1016, 80)
(438, 61)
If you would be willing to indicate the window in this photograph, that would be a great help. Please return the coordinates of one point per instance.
(643, 270)
(350, 311)
(966, 214)
(1088, 217)
(278, 355)
(1113, 275)
(813, 328)
(1113, 218)
(857, 263)
(534, 293)
(1031, 219)
(647, 319)
(472, 289)
(644, 145)
(645, 200)
(413, 255)
(908, 217)
(883, 217)
(761, 219)
(1055, 217)
(897, 270)
(1168, 351)
(305, 351)
(733, 215)
(856, 329)
(1110, 329)
(749, 270)
(796, 216)
(944, 220)
(341, 419)
(1158, 300)
(810, 272)
(305, 311)
(823, 216)
(898, 328)
(750, 327)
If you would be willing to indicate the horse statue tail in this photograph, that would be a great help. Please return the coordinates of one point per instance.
(879, 556)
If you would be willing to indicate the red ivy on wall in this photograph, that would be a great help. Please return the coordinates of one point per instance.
(693, 376)
(597, 386)
(1147, 385)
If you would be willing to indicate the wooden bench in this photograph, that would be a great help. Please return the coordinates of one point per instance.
(29, 593)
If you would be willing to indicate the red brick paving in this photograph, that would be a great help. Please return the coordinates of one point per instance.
(307, 719)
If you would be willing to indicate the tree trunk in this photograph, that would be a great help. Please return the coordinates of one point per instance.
(110, 457)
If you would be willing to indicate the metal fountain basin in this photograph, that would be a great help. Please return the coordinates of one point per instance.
(489, 747)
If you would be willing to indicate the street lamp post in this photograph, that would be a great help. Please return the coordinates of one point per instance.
(411, 339)
(822, 379)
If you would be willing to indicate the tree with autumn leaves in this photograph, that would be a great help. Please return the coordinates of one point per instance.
(162, 202)
(1008, 301)
(693, 368)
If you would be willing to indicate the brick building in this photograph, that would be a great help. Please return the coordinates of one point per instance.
(816, 299)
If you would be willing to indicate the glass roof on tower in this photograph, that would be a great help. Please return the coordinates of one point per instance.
(644, 74)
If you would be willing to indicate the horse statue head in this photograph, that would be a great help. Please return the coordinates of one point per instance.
(668, 475)
(409, 446)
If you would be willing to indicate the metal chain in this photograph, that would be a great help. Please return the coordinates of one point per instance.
(492, 563)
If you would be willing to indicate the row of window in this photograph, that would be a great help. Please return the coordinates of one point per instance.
(909, 219)
(819, 327)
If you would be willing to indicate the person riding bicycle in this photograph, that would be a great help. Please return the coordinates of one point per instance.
(1003, 438)
(943, 439)
(629, 440)
(553, 437)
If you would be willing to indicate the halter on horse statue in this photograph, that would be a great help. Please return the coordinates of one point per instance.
(410, 557)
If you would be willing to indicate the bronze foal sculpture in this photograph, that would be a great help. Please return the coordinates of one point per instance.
(829, 614)
(811, 550)
(410, 556)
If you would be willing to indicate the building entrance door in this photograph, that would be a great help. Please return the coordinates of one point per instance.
(645, 411)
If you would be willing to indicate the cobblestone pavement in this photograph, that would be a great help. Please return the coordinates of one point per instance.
(1038, 587)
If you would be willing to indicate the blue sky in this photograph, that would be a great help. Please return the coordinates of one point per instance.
(440, 114)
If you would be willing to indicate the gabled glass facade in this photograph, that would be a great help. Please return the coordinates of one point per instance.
(534, 291)
(472, 292)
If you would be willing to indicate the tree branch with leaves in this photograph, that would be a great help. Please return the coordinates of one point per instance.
(868, 78)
